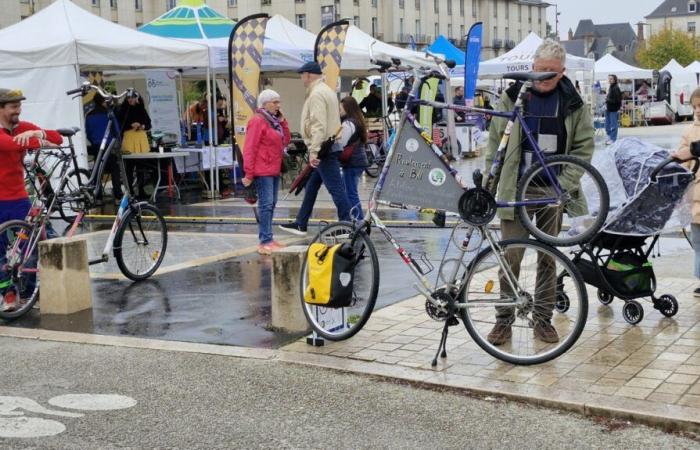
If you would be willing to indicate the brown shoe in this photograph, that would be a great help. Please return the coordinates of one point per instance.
(545, 332)
(500, 334)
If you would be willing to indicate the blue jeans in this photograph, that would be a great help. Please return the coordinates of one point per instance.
(327, 173)
(695, 239)
(13, 210)
(267, 188)
(351, 176)
(612, 124)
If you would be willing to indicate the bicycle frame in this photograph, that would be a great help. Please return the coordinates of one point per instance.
(408, 120)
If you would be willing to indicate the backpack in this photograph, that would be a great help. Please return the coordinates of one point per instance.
(331, 271)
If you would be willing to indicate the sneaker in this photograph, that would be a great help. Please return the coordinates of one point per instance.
(9, 301)
(500, 334)
(696, 292)
(545, 332)
(265, 249)
(294, 229)
(276, 244)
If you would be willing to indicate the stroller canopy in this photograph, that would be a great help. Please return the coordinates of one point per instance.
(640, 206)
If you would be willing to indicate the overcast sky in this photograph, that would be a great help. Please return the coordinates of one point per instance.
(600, 11)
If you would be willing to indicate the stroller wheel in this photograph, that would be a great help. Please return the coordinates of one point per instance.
(633, 312)
(667, 305)
(563, 302)
(605, 297)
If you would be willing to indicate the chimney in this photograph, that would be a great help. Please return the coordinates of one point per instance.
(588, 41)
(640, 31)
(571, 34)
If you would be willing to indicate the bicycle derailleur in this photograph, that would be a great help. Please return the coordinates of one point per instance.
(445, 308)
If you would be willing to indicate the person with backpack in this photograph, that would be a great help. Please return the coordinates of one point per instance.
(353, 159)
(267, 135)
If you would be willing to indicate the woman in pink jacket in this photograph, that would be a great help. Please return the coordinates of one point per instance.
(267, 135)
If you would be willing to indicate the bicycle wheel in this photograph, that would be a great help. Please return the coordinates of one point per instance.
(18, 270)
(569, 218)
(520, 334)
(140, 242)
(70, 187)
(337, 324)
(373, 158)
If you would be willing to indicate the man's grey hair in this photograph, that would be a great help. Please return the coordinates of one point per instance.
(551, 49)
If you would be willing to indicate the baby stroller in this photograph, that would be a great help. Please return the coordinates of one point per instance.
(645, 187)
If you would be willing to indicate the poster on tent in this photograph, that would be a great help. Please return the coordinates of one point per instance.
(162, 101)
(246, 44)
(328, 52)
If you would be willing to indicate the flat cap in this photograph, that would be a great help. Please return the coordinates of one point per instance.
(11, 95)
(310, 67)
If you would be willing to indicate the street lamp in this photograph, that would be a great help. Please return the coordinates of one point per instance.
(556, 16)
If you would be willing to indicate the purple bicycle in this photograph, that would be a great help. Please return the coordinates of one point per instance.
(479, 276)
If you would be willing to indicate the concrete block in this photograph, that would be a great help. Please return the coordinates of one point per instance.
(287, 313)
(64, 276)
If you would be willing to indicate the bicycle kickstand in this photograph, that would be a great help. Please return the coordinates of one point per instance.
(442, 348)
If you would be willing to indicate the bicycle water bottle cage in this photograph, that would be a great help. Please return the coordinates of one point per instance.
(477, 206)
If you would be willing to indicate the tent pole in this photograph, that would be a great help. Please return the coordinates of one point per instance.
(215, 128)
(211, 147)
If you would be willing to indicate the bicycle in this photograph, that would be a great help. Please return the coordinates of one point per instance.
(514, 277)
(138, 237)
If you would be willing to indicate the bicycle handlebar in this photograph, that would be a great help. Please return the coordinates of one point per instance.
(87, 87)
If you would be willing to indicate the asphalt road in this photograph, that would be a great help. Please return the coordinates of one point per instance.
(184, 400)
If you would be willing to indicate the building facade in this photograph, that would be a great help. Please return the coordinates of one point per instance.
(681, 15)
(506, 22)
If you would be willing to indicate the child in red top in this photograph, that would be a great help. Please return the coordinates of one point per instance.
(16, 138)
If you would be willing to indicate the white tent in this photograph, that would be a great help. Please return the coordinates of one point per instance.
(694, 68)
(43, 56)
(683, 82)
(520, 59)
(356, 53)
(609, 65)
(674, 66)
(287, 47)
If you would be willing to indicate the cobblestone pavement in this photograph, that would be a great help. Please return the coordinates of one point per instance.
(651, 369)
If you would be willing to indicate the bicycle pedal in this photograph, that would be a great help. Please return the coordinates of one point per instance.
(452, 321)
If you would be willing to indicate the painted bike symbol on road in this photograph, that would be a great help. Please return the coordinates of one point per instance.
(15, 424)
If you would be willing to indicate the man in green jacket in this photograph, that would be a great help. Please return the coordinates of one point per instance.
(561, 124)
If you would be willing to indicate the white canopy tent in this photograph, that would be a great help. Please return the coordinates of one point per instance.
(609, 65)
(44, 54)
(520, 59)
(694, 68)
(356, 53)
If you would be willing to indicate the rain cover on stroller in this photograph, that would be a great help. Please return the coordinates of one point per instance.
(638, 206)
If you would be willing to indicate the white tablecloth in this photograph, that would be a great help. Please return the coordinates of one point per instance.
(199, 159)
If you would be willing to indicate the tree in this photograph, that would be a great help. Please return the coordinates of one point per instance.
(658, 50)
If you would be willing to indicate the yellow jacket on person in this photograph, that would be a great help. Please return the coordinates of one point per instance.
(320, 116)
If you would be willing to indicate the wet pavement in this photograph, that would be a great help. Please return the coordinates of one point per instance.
(214, 288)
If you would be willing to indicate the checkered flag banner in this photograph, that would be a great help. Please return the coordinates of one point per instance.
(329, 51)
(245, 57)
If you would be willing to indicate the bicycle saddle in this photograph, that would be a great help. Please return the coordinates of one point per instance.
(531, 76)
(68, 132)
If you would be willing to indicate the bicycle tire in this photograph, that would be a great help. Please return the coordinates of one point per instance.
(373, 168)
(26, 300)
(484, 275)
(67, 210)
(365, 295)
(136, 230)
(532, 184)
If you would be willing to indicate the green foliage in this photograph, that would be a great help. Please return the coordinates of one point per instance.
(658, 50)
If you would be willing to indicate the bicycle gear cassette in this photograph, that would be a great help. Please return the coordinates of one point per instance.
(477, 206)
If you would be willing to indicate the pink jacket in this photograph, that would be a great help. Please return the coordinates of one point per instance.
(264, 148)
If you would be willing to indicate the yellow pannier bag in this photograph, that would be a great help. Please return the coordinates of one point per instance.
(330, 275)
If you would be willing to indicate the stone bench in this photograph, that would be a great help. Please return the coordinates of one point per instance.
(287, 313)
(64, 276)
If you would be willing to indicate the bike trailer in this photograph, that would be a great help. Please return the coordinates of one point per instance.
(331, 272)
